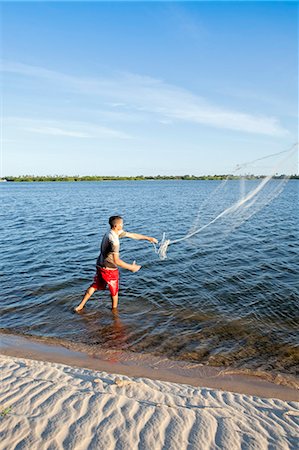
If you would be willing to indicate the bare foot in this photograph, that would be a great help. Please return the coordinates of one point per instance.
(78, 309)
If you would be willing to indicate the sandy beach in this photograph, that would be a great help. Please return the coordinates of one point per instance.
(47, 405)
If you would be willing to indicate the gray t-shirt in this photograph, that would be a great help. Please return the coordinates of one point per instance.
(109, 245)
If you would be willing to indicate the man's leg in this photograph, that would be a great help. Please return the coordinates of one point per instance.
(114, 299)
(112, 279)
(86, 297)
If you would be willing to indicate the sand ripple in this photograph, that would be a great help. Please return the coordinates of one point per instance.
(54, 406)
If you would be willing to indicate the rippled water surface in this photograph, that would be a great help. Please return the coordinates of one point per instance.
(227, 296)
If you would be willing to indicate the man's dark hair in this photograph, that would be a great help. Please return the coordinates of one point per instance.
(113, 220)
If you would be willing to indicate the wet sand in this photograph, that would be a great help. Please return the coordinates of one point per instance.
(155, 368)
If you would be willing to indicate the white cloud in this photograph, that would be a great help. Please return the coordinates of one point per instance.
(74, 129)
(156, 97)
(55, 131)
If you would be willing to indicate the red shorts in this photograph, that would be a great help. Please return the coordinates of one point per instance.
(104, 277)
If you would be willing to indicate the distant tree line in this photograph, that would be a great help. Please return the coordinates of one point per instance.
(33, 178)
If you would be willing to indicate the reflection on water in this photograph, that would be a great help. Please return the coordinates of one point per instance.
(221, 298)
(100, 329)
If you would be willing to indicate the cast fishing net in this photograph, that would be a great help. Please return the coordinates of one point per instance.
(252, 199)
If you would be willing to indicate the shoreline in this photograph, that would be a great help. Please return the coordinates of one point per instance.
(72, 179)
(151, 367)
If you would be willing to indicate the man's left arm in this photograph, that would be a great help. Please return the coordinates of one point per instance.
(139, 237)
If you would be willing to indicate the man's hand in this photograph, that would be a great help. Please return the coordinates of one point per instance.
(153, 240)
(135, 267)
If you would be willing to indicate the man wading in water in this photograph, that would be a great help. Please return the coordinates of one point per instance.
(107, 262)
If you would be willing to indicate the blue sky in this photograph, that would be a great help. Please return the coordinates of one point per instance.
(129, 88)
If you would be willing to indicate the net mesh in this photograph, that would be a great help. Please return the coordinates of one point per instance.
(251, 200)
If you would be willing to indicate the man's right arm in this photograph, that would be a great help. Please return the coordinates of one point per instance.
(132, 267)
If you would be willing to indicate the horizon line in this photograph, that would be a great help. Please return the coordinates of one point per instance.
(140, 177)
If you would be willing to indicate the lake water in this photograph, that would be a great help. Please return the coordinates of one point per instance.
(227, 296)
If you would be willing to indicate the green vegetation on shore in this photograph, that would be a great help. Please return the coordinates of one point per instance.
(31, 178)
